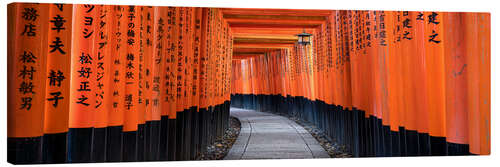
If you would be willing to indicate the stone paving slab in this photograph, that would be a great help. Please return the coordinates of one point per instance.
(268, 136)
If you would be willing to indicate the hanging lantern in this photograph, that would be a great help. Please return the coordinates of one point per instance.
(304, 38)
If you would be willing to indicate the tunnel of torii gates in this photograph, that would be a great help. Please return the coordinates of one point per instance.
(95, 83)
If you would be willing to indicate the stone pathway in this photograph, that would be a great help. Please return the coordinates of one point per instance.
(268, 136)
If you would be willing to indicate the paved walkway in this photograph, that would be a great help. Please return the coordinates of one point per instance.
(268, 136)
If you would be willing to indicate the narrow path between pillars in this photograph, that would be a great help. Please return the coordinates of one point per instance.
(268, 136)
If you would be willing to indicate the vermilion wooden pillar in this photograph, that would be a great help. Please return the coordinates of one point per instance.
(83, 84)
(117, 42)
(58, 83)
(26, 90)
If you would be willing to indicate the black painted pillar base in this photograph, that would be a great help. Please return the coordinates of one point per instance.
(188, 118)
(130, 146)
(147, 141)
(154, 140)
(141, 141)
(99, 145)
(180, 134)
(380, 147)
(396, 150)
(202, 129)
(195, 142)
(172, 144)
(164, 139)
(438, 146)
(412, 146)
(387, 141)
(24, 150)
(402, 141)
(424, 143)
(55, 148)
(458, 149)
(80, 145)
(114, 146)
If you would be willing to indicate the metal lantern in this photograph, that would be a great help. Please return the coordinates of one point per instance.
(304, 38)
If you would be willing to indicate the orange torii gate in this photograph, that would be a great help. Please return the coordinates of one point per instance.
(383, 83)
(143, 85)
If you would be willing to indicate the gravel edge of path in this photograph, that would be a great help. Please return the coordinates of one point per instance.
(219, 149)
